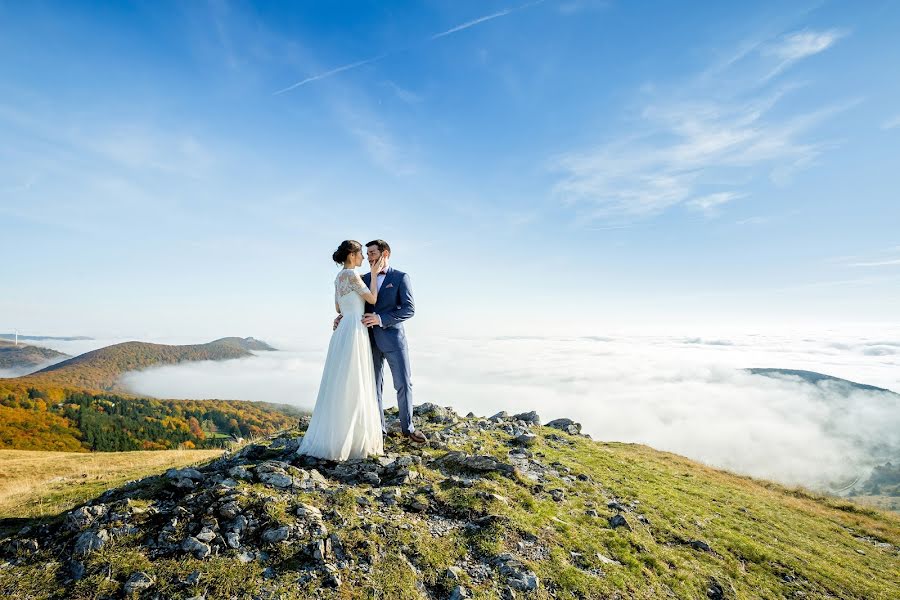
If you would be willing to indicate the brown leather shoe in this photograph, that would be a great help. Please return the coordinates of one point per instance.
(416, 437)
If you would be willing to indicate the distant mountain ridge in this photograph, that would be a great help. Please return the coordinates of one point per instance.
(814, 378)
(100, 369)
(12, 336)
(25, 356)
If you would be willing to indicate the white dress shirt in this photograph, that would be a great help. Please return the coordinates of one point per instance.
(380, 280)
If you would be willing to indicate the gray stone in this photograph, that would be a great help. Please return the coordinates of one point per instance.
(276, 535)
(567, 425)
(240, 472)
(530, 417)
(137, 583)
(186, 473)
(84, 517)
(618, 521)
(206, 535)
(233, 539)
(309, 511)
(89, 541)
(459, 593)
(526, 439)
(230, 510)
(196, 547)
(481, 464)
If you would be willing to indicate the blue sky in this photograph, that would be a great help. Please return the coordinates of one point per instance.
(188, 167)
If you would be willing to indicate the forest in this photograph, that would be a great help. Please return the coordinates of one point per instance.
(54, 418)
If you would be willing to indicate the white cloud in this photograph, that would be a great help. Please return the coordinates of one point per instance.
(680, 393)
(798, 45)
(709, 203)
(707, 138)
(891, 123)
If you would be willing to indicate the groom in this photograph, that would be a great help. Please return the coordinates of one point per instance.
(385, 322)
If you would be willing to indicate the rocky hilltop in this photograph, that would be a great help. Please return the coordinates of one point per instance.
(499, 507)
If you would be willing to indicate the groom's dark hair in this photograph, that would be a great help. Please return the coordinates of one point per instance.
(382, 245)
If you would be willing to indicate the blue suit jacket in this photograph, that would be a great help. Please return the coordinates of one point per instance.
(395, 305)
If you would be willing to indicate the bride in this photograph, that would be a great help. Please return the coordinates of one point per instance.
(345, 421)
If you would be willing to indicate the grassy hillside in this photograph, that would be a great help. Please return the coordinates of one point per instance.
(490, 509)
(36, 484)
(99, 370)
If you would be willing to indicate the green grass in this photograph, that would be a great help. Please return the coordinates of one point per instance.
(767, 541)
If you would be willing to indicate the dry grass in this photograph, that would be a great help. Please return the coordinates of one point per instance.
(35, 484)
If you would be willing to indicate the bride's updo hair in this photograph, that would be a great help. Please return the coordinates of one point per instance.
(344, 251)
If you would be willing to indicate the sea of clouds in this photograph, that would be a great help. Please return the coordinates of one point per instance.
(683, 393)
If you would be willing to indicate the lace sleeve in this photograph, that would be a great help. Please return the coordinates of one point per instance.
(349, 281)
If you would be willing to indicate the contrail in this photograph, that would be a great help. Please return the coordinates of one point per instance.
(450, 31)
(472, 23)
(358, 63)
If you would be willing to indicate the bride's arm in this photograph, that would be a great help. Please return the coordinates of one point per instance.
(372, 295)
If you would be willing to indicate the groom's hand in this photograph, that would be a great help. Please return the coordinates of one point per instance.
(370, 319)
(337, 320)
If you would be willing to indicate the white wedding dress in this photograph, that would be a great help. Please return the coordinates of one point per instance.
(345, 421)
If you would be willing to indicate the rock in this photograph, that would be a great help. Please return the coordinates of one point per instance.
(607, 560)
(196, 547)
(530, 417)
(699, 545)
(481, 464)
(526, 439)
(619, 521)
(230, 510)
(193, 578)
(206, 535)
(278, 480)
(309, 511)
(186, 473)
(240, 472)
(279, 534)
(434, 413)
(714, 590)
(558, 495)
(591, 513)
(332, 576)
(616, 506)
(499, 417)
(459, 593)
(84, 517)
(567, 425)
(76, 569)
(517, 575)
(275, 474)
(233, 539)
(89, 541)
(137, 583)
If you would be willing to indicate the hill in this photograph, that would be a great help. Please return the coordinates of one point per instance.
(814, 378)
(67, 407)
(23, 358)
(99, 370)
(491, 508)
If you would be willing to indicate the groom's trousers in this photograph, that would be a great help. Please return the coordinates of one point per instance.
(398, 361)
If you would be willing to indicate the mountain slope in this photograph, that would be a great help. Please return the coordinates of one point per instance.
(25, 357)
(100, 369)
(814, 378)
(493, 508)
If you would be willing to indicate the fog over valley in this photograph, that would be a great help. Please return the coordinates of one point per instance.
(687, 394)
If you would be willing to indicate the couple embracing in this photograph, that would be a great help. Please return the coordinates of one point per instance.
(348, 419)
